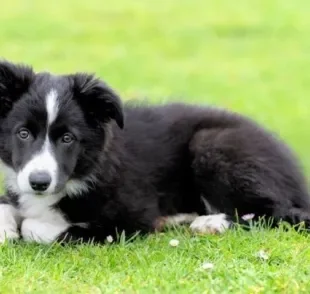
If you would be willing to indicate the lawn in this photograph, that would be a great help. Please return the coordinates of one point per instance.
(249, 56)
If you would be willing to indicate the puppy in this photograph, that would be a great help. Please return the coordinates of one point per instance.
(80, 165)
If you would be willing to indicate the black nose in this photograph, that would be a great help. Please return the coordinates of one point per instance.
(39, 181)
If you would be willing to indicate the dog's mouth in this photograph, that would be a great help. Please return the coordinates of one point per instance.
(56, 192)
(43, 194)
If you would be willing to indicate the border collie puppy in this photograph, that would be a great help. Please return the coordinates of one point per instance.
(79, 165)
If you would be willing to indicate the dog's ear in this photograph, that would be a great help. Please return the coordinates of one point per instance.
(98, 99)
(15, 80)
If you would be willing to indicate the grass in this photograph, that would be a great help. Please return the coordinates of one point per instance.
(252, 57)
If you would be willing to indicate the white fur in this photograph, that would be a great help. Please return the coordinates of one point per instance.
(76, 187)
(210, 224)
(41, 222)
(52, 106)
(43, 231)
(42, 161)
(36, 206)
(181, 218)
(209, 208)
(9, 221)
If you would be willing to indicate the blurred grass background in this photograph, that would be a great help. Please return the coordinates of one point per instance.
(249, 56)
(253, 57)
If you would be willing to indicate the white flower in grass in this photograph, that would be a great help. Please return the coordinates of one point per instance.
(248, 216)
(174, 242)
(109, 239)
(207, 266)
(262, 255)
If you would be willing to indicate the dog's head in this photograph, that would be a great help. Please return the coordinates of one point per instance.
(52, 128)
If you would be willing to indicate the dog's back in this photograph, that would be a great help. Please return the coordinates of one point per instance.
(193, 155)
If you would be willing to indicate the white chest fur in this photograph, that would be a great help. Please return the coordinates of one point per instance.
(41, 223)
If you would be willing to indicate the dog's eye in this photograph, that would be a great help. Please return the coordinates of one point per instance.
(23, 133)
(67, 138)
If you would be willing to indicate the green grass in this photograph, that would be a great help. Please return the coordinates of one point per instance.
(249, 56)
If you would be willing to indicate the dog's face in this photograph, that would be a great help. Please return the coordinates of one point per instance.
(52, 128)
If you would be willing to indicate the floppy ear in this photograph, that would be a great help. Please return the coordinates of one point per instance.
(99, 101)
(15, 80)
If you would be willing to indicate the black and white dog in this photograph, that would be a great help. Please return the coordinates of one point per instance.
(80, 166)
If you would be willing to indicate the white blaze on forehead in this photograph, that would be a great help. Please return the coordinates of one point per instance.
(42, 161)
(52, 106)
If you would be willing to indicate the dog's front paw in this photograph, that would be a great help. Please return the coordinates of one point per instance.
(210, 224)
(7, 233)
(8, 223)
(36, 230)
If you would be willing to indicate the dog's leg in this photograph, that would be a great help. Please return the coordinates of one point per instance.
(179, 219)
(210, 224)
(215, 222)
(41, 231)
(9, 220)
(44, 228)
(237, 176)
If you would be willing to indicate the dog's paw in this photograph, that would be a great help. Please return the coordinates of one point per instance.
(8, 233)
(210, 224)
(8, 223)
(34, 230)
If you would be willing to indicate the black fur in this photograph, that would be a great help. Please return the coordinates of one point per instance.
(156, 161)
